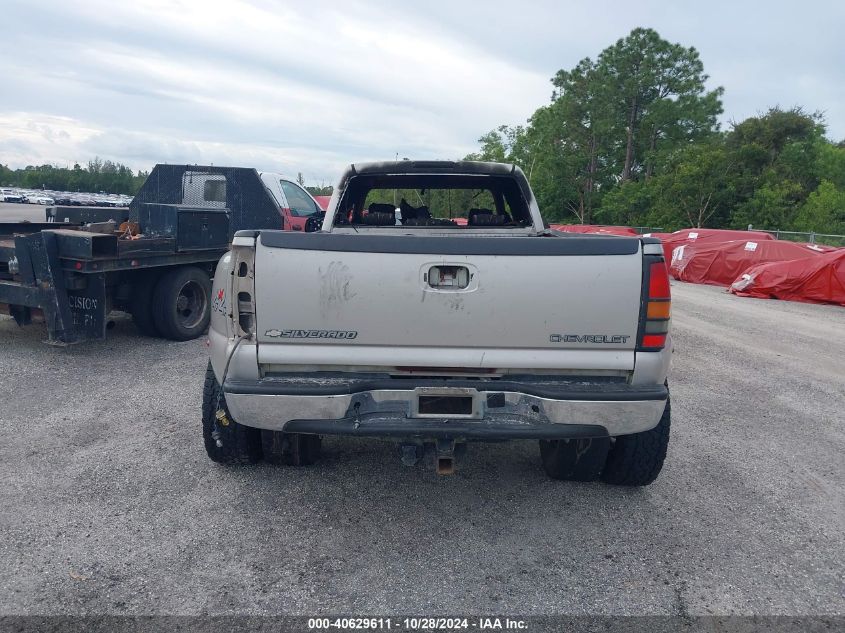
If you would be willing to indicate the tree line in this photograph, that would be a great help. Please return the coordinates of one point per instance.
(633, 138)
(97, 176)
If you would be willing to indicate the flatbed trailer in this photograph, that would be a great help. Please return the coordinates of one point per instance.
(153, 260)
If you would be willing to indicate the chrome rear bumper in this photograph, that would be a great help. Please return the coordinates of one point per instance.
(500, 409)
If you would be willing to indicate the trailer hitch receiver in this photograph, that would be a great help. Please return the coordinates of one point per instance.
(445, 456)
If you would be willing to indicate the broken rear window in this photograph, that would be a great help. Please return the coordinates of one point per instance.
(433, 200)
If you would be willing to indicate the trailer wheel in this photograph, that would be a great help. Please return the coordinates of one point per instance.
(141, 304)
(181, 305)
(291, 449)
(239, 444)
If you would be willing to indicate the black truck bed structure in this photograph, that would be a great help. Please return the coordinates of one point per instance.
(73, 269)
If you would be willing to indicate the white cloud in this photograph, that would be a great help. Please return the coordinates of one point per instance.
(230, 75)
(311, 87)
(27, 139)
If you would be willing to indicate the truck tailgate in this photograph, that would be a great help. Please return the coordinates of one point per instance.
(463, 302)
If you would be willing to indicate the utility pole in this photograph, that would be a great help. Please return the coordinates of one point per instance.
(394, 191)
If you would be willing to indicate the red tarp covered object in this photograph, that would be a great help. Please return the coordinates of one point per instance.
(660, 236)
(821, 280)
(671, 241)
(722, 262)
(627, 231)
(323, 201)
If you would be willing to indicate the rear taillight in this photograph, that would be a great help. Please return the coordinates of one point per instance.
(243, 285)
(657, 306)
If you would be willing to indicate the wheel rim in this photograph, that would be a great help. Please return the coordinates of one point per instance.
(191, 305)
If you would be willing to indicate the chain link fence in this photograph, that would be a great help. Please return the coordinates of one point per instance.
(827, 239)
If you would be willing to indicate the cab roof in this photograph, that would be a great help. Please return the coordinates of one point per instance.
(433, 166)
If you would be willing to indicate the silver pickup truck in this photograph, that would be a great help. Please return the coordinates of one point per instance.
(435, 308)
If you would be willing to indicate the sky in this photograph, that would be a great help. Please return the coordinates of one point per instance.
(308, 87)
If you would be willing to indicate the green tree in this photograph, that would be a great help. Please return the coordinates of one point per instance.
(576, 131)
(630, 204)
(657, 90)
(610, 122)
(498, 145)
(694, 189)
(830, 163)
(99, 176)
(776, 166)
(824, 210)
(772, 206)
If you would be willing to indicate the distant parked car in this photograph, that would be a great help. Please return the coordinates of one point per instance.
(42, 200)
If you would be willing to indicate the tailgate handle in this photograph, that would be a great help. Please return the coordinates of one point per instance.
(448, 277)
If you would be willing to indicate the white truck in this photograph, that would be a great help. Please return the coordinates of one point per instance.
(399, 320)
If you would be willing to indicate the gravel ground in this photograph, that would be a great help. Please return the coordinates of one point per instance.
(111, 506)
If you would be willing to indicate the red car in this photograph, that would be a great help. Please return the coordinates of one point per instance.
(295, 203)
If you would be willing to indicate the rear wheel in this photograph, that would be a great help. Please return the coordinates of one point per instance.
(226, 441)
(636, 459)
(292, 449)
(181, 306)
(574, 460)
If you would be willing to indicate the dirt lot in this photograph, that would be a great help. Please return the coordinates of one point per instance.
(111, 506)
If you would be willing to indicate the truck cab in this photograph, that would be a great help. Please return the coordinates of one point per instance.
(295, 203)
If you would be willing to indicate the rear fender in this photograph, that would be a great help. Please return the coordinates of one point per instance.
(221, 298)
